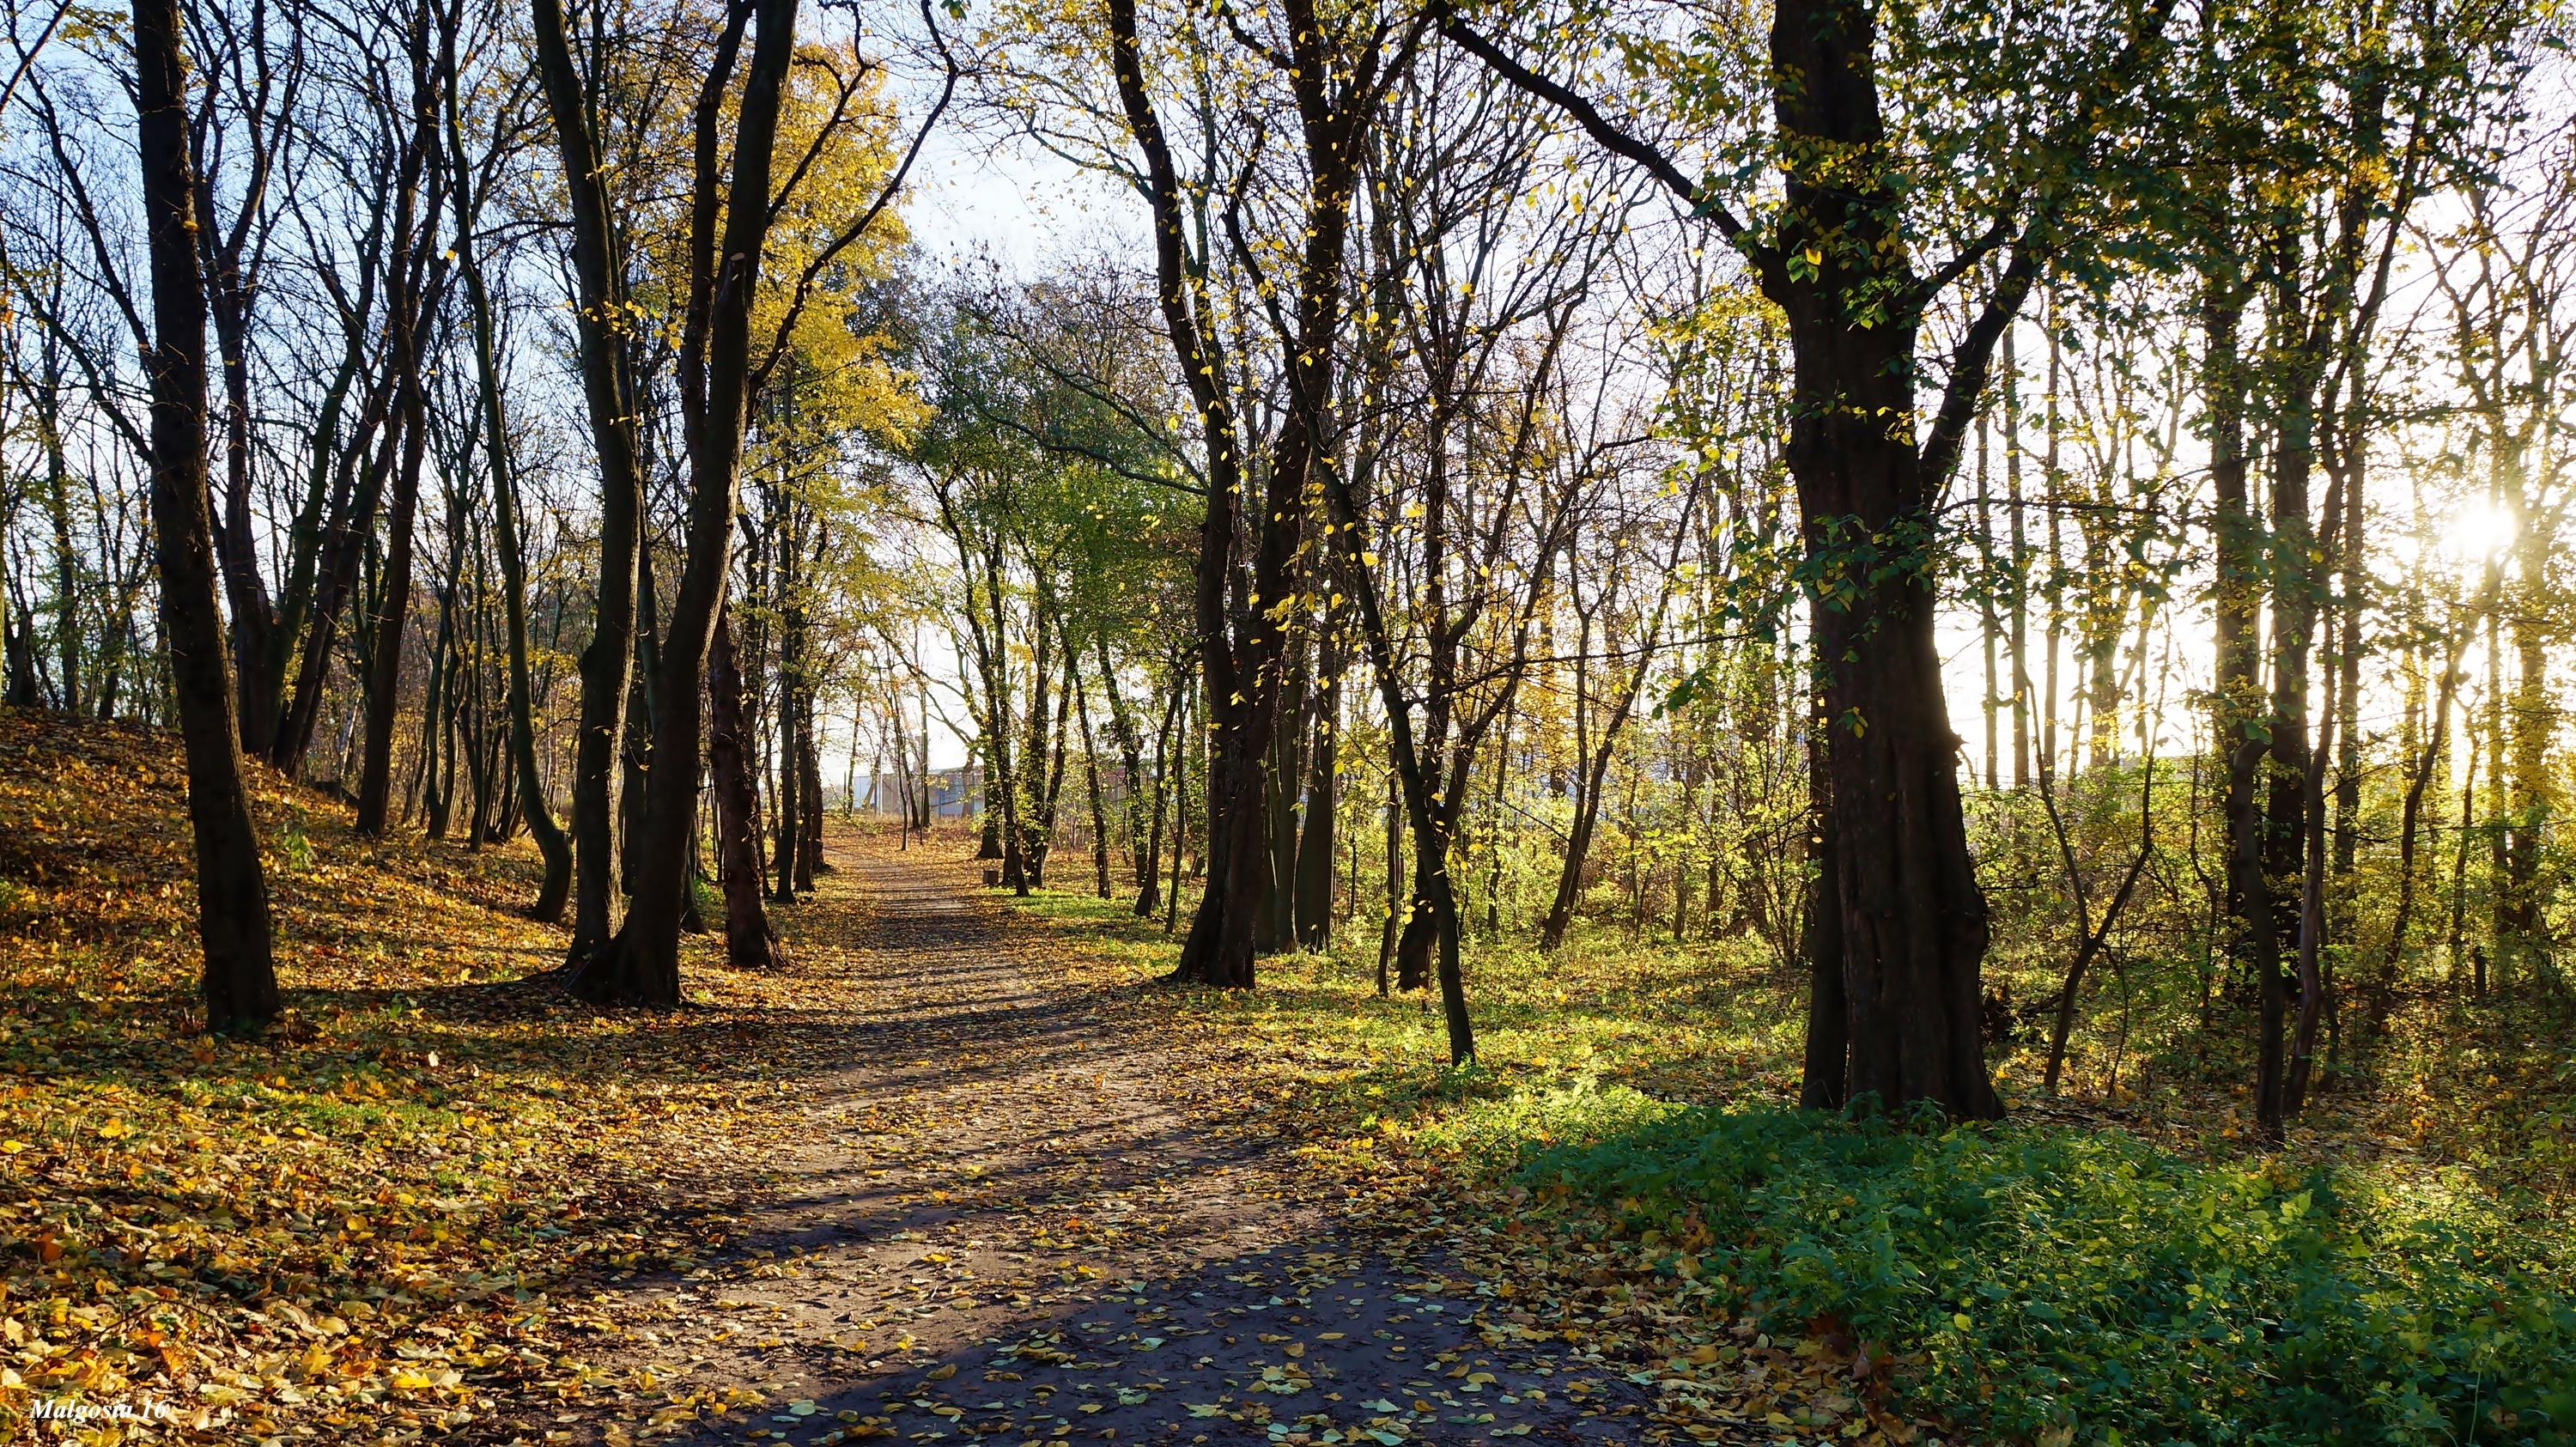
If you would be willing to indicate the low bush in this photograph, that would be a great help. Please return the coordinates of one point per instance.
(2044, 1285)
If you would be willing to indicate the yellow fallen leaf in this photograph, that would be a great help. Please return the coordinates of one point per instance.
(941, 1373)
(11, 1148)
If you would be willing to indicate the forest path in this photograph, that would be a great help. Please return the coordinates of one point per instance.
(1012, 1221)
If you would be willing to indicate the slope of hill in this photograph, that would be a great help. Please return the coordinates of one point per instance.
(359, 1217)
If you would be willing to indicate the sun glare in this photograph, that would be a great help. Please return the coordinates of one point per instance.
(2477, 532)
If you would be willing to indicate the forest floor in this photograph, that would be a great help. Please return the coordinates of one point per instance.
(963, 1171)
(959, 1173)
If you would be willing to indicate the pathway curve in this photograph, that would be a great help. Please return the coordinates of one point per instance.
(1009, 1223)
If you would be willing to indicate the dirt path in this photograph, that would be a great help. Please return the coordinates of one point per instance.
(1008, 1222)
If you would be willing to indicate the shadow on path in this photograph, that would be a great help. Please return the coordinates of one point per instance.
(1005, 1224)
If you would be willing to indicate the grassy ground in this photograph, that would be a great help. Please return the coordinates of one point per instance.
(2132, 1266)
(1595, 1017)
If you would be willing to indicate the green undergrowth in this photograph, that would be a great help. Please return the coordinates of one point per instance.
(2042, 1277)
(2033, 1283)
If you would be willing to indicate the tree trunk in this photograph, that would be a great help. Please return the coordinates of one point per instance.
(2410, 828)
(1315, 843)
(1131, 754)
(384, 685)
(809, 838)
(2285, 813)
(1396, 912)
(1091, 781)
(1912, 925)
(1244, 669)
(599, 316)
(1180, 795)
(1043, 841)
(2255, 935)
(326, 486)
(635, 746)
(791, 669)
(1149, 862)
(240, 980)
(642, 964)
(1276, 929)
(552, 846)
(344, 548)
(1824, 1084)
(750, 942)
(236, 547)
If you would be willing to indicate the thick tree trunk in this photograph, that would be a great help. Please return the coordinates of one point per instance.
(2285, 765)
(1825, 1084)
(1243, 667)
(240, 981)
(2254, 937)
(1218, 949)
(1911, 920)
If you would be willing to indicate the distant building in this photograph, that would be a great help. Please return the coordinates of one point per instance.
(954, 793)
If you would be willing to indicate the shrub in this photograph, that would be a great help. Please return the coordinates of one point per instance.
(2040, 1279)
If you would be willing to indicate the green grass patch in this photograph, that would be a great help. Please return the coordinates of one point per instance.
(2040, 1279)
(1688, 1023)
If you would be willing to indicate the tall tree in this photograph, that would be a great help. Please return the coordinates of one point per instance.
(240, 981)
(600, 320)
(1895, 979)
(642, 964)
(393, 613)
